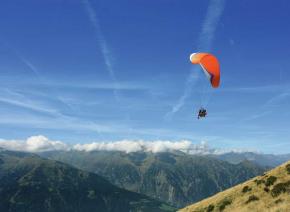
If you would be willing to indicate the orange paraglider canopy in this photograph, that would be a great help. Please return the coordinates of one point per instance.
(210, 66)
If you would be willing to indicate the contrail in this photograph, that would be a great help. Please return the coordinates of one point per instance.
(212, 18)
(191, 80)
(206, 36)
(102, 43)
(24, 60)
(29, 65)
(33, 69)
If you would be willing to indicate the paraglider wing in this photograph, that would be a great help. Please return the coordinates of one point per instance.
(210, 66)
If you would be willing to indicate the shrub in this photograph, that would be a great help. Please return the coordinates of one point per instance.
(210, 208)
(246, 189)
(260, 182)
(224, 203)
(252, 198)
(91, 194)
(278, 201)
(266, 189)
(280, 188)
(270, 180)
(288, 168)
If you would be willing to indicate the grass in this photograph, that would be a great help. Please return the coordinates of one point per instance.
(270, 192)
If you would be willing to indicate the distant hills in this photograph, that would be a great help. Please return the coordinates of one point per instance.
(174, 177)
(31, 183)
(266, 160)
(269, 192)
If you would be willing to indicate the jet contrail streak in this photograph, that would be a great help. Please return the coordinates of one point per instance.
(102, 43)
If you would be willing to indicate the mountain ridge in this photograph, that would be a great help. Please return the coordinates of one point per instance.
(173, 177)
(31, 183)
(268, 192)
(266, 160)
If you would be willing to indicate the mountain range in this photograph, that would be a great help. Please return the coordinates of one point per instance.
(173, 177)
(266, 160)
(119, 181)
(31, 183)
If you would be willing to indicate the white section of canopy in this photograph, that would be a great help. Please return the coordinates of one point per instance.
(192, 55)
(208, 75)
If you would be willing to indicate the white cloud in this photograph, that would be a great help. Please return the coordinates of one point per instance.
(136, 146)
(33, 144)
(41, 143)
(124, 146)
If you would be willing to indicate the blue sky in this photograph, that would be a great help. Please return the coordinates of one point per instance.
(96, 70)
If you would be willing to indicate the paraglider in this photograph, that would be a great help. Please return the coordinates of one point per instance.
(210, 66)
(201, 113)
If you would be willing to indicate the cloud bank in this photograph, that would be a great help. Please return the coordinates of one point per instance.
(33, 144)
(41, 143)
(135, 146)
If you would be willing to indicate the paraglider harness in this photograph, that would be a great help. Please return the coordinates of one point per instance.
(201, 113)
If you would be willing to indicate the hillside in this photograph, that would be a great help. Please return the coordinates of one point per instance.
(173, 177)
(266, 160)
(30, 183)
(270, 192)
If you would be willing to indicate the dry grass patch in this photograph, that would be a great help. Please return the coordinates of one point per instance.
(270, 192)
